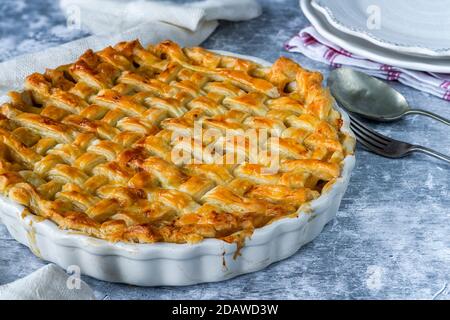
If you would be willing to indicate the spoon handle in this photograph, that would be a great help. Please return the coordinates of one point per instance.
(430, 152)
(429, 114)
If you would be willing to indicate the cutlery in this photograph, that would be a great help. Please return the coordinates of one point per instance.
(385, 146)
(371, 98)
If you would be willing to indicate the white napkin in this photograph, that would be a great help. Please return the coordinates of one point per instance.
(107, 16)
(48, 283)
(117, 20)
(310, 43)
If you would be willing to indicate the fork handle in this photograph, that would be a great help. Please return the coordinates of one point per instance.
(429, 114)
(430, 152)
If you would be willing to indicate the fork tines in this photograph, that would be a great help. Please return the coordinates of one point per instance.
(369, 138)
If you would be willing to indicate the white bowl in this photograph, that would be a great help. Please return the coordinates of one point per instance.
(171, 264)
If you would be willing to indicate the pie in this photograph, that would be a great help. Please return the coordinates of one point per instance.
(94, 145)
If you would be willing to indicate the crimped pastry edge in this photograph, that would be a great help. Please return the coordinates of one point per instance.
(154, 264)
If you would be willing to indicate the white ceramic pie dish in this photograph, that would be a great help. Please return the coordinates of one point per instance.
(177, 264)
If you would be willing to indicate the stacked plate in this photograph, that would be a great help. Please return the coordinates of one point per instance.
(412, 34)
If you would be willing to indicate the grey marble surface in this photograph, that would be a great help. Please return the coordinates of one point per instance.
(391, 236)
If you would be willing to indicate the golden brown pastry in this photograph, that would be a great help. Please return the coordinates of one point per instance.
(93, 145)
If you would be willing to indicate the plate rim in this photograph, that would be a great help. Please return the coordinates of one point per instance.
(417, 50)
(329, 32)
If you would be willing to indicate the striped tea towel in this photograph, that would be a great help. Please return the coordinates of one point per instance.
(310, 43)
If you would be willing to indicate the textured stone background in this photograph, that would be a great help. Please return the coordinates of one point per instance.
(391, 235)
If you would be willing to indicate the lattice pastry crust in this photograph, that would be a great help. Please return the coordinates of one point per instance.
(90, 145)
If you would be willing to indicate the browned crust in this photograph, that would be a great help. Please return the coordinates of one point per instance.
(88, 145)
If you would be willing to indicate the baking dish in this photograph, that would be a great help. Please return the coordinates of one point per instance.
(177, 264)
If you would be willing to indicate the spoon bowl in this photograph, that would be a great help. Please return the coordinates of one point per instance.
(371, 98)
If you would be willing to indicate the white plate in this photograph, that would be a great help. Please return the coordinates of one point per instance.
(171, 264)
(408, 26)
(369, 50)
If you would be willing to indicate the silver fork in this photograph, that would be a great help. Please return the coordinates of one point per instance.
(385, 146)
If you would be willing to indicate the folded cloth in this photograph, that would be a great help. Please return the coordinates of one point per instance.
(48, 283)
(107, 16)
(310, 43)
(112, 21)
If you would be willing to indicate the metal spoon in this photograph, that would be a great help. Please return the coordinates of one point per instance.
(370, 97)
